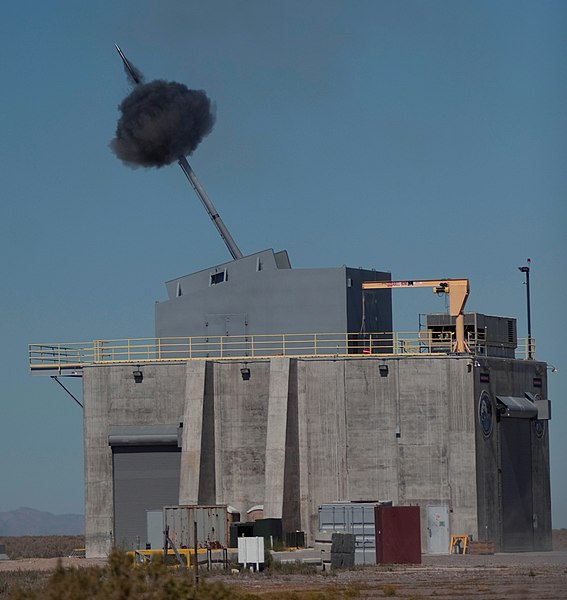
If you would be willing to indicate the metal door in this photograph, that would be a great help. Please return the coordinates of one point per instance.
(145, 478)
(233, 327)
(517, 487)
(438, 529)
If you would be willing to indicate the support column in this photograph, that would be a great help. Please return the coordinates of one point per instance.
(303, 443)
(99, 506)
(342, 441)
(276, 438)
(192, 432)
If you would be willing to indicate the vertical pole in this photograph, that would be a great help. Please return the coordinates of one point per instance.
(526, 270)
(165, 538)
(460, 333)
(530, 353)
(195, 548)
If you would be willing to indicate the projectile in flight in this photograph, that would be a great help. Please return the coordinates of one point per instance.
(131, 70)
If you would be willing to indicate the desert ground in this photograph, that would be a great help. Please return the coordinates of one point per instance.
(533, 575)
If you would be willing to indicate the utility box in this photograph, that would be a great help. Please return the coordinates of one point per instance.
(251, 551)
(269, 529)
(295, 539)
(238, 530)
(398, 534)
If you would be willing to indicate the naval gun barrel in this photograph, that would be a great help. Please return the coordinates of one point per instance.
(234, 250)
(210, 208)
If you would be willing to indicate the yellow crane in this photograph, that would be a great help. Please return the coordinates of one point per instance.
(458, 290)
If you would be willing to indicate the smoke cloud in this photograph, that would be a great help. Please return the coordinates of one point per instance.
(133, 74)
(160, 122)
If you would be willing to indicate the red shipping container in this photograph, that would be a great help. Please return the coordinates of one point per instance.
(398, 534)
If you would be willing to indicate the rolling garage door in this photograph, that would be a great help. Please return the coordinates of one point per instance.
(145, 464)
(517, 493)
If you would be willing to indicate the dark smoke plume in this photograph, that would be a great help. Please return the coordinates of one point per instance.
(134, 75)
(160, 122)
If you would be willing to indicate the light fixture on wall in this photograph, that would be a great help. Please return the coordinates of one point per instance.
(138, 375)
(245, 372)
(383, 369)
(552, 368)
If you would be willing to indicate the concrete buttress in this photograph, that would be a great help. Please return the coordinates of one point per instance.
(192, 432)
(276, 437)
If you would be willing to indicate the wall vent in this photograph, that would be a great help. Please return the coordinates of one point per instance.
(511, 336)
(219, 277)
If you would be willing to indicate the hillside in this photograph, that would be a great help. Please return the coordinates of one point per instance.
(27, 521)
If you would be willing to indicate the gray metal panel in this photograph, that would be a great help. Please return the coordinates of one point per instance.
(154, 521)
(282, 260)
(145, 478)
(274, 300)
(543, 406)
(518, 407)
(378, 303)
(143, 435)
(226, 324)
(543, 409)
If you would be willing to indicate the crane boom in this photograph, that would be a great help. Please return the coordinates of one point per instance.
(458, 290)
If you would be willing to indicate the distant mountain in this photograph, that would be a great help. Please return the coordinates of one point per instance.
(27, 521)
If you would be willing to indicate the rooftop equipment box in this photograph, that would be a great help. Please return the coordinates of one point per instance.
(398, 534)
(487, 335)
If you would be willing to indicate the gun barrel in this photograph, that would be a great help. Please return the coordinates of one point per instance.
(210, 208)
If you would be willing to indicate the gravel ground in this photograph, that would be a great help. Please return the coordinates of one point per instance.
(537, 576)
(47, 564)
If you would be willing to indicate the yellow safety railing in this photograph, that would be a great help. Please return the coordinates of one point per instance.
(526, 348)
(75, 355)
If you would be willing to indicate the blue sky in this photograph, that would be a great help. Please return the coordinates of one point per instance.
(424, 138)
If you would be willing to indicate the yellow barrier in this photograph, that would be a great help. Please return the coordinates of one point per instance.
(182, 557)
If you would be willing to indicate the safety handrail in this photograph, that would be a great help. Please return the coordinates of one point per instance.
(78, 354)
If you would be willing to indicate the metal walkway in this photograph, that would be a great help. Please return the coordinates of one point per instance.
(70, 358)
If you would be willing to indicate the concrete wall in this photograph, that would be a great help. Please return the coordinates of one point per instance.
(112, 397)
(406, 437)
(240, 425)
(298, 433)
